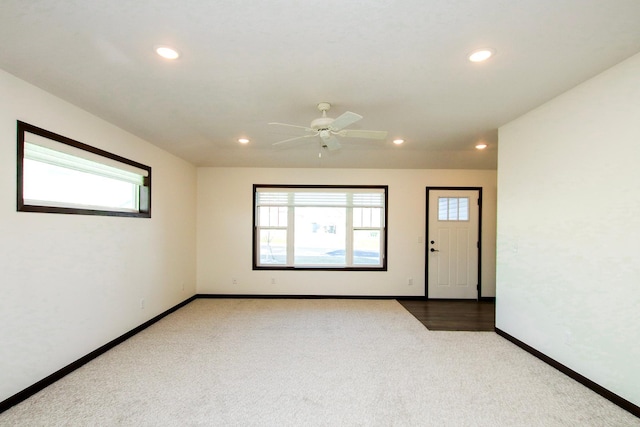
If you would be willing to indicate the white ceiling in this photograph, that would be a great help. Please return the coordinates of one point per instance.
(400, 64)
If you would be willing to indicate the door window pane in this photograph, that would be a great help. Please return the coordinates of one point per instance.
(453, 209)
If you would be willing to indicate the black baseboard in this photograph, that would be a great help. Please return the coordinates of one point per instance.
(607, 394)
(369, 297)
(470, 300)
(272, 296)
(45, 382)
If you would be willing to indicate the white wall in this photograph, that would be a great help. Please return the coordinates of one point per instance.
(225, 231)
(568, 275)
(71, 283)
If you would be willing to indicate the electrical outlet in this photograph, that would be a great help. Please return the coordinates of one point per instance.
(234, 281)
(142, 304)
(410, 281)
(273, 280)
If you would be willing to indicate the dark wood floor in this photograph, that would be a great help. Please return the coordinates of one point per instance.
(453, 315)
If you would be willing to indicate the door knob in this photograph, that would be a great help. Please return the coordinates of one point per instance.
(434, 250)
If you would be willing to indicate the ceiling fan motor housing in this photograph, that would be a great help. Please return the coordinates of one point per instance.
(321, 123)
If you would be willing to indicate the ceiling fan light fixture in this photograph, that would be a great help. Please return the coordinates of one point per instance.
(167, 52)
(481, 55)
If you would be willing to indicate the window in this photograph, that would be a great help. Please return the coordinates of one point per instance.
(318, 227)
(59, 175)
(453, 209)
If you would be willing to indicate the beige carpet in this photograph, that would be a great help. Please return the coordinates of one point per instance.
(265, 362)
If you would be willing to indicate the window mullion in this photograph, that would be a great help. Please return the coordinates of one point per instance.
(350, 231)
(382, 220)
(291, 247)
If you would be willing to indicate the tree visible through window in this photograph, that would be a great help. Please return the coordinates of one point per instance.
(318, 227)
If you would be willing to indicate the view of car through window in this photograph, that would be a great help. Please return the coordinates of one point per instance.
(320, 234)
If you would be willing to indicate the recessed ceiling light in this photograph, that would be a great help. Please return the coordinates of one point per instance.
(243, 140)
(481, 146)
(167, 52)
(481, 55)
(398, 141)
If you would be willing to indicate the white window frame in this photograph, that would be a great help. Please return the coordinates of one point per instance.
(287, 197)
(38, 146)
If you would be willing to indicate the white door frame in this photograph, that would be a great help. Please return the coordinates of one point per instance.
(426, 240)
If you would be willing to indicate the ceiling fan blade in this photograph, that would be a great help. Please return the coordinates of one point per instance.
(293, 126)
(369, 134)
(293, 139)
(331, 143)
(344, 120)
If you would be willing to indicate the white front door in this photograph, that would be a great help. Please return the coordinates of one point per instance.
(452, 243)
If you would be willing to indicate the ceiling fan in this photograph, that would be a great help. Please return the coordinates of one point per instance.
(328, 128)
